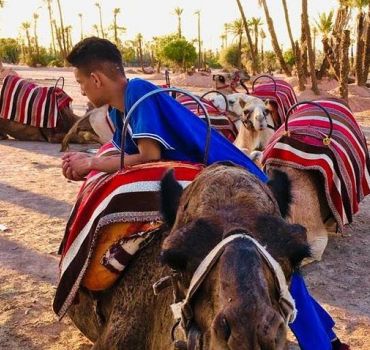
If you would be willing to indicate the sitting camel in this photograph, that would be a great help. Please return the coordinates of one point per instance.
(32, 113)
(255, 122)
(130, 316)
(323, 151)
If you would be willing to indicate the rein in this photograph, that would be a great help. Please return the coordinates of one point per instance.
(182, 310)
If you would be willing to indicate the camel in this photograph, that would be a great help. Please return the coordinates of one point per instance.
(320, 201)
(96, 119)
(65, 122)
(254, 120)
(227, 83)
(130, 316)
(11, 120)
(235, 301)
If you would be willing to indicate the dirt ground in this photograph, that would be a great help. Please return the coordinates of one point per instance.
(35, 201)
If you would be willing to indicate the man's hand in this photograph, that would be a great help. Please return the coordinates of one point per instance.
(76, 165)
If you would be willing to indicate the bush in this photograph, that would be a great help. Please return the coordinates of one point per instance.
(229, 56)
(9, 50)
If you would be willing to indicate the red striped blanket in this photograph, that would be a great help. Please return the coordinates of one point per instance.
(283, 95)
(130, 195)
(218, 119)
(27, 103)
(344, 162)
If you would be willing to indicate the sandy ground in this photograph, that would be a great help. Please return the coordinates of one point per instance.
(35, 201)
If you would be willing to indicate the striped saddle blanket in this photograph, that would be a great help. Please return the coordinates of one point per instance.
(127, 196)
(343, 160)
(218, 119)
(25, 102)
(282, 94)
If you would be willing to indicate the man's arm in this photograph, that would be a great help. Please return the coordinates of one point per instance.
(149, 150)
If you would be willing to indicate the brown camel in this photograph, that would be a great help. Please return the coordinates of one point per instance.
(221, 199)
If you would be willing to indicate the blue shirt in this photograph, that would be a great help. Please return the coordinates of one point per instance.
(181, 134)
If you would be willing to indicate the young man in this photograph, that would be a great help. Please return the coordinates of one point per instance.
(160, 127)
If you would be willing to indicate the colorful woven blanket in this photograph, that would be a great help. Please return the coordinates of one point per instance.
(281, 93)
(343, 160)
(128, 196)
(27, 103)
(218, 119)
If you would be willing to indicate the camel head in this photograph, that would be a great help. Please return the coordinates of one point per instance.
(228, 82)
(253, 112)
(236, 304)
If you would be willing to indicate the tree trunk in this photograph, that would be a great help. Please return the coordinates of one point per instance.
(359, 48)
(323, 69)
(344, 64)
(240, 52)
(329, 54)
(252, 49)
(274, 41)
(304, 57)
(288, 26)
(51, 28)
(311, 56)
(366, 55)
(62, 31)
(300, 71)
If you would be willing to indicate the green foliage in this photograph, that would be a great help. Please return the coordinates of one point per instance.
(212, 60)
(270, 61)
(159, 44)
(180, 52)
(229, 56)
(128, 53)
(43, 59)
(9, 50)
(325, 23)
(289, 57)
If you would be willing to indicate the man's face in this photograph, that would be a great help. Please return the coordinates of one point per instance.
(90, 87)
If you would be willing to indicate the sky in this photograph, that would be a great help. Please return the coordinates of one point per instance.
(156, 17)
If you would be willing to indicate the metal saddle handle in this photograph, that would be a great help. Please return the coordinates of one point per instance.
(327, 139)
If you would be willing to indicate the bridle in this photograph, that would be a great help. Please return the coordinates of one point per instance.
(249, 125)
(182, 310)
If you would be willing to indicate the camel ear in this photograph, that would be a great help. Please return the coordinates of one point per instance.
(281, 188)
(171, 192)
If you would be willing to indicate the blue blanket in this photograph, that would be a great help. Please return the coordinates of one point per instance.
(181, 134)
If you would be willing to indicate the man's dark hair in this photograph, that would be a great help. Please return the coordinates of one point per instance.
(97, 54)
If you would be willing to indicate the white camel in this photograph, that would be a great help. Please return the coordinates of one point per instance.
(255, 123)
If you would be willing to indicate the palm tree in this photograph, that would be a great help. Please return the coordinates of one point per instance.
(199, 41)
(178, 12)
(35, 18)
(287, 21)
(26, 27)
(62, 44)
(344, 64)
(225, 33)
(97, 4)
(81, 26)
(325, 26)
(274, 41)
(314, 31)
(139, 44)
(311, 56)
(360, 46)
(48, 3)
(366, 58)
(223, 38)
(255, 22)
(116, 11)
(237, 29)
(253, 50)
(263, 37)
(96, 28)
